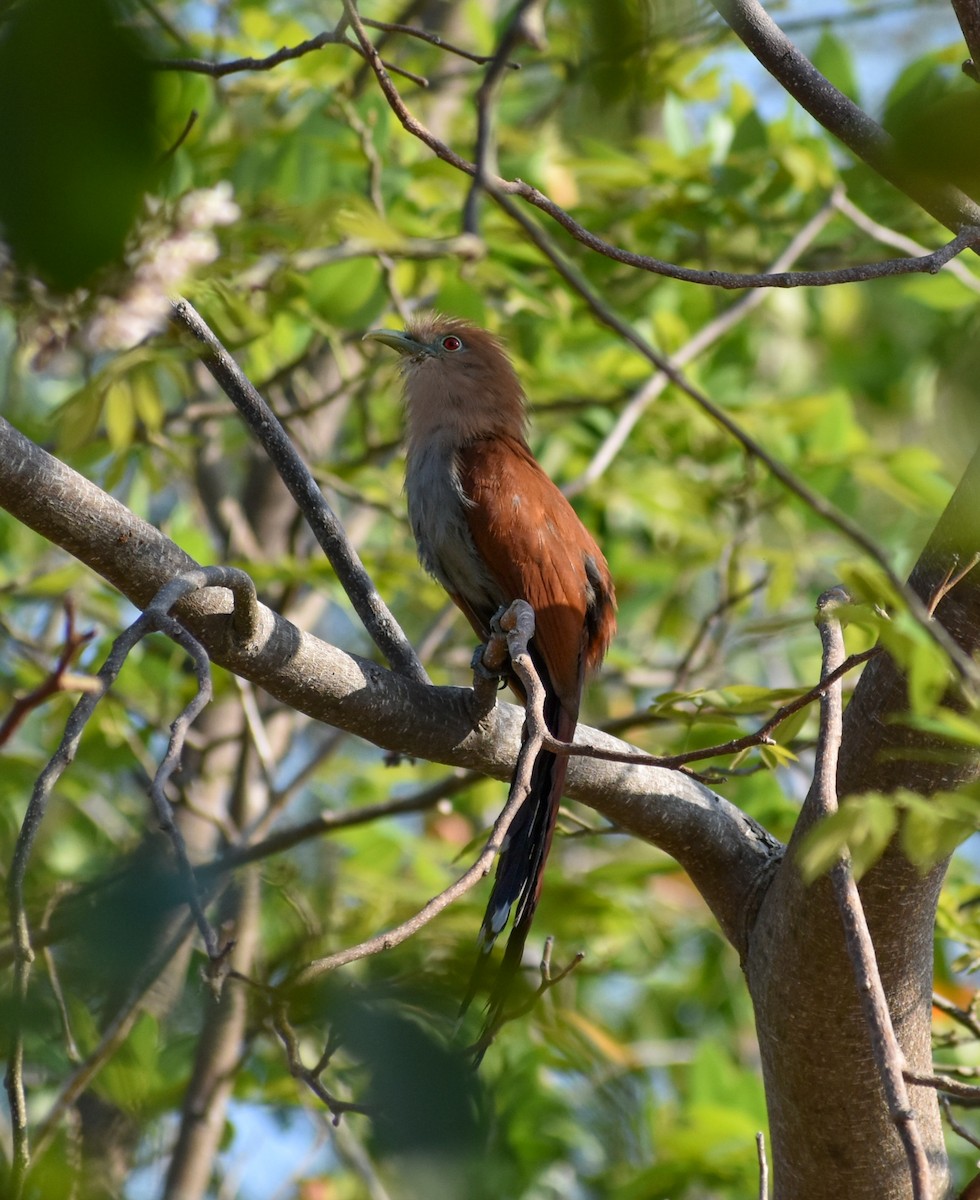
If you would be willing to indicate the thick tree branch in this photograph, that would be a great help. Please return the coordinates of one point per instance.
(860, 948)
(801, 982)
(968, 15)
(725, 852)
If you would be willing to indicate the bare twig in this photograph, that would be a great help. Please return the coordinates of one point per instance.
(218, 70)
(434, 39)
(711, 619)
(549, 979)
(962, 1016)
(890, 237)
(759, 737)
(309, 1075)
(957, 1126)
(464, 247)
(860, 948)
(330, 822)
(71, 1046)
(257, 732)
(59, 679)
(364, 596)
(962, 1071)
(181, 137)
(955, 575)
(760, 1150)
(928, 264)
(945, 1083)
(486, 150)
(375, 192)
(168, 27)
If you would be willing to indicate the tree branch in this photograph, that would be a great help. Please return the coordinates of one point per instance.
(434, 39)
(762, 736)
(945, 1083)
(724, 851)
(257, 275)
(364, 596)
(968, 15)
(486, 148)
(890, 237)
(218, 70)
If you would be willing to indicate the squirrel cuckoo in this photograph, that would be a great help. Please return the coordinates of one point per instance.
(493, 528)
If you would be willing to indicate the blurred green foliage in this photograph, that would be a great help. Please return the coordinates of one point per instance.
(638, 1075)
(78, 138)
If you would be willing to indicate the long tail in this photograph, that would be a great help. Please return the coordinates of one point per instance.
(520, 873)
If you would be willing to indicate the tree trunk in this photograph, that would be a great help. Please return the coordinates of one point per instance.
(831, 1131)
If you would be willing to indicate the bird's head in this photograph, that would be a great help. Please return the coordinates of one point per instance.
(459, 382)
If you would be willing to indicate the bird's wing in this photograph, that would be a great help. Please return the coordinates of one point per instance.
(531, 540)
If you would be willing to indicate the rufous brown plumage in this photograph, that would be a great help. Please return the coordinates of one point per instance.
(493, 528)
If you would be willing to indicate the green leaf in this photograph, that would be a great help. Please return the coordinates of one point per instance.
(932, 828)
(120, 415)
(863, 826)
(77, 140)
(833, 58)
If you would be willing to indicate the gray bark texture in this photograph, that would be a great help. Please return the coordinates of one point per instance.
(831, 1132)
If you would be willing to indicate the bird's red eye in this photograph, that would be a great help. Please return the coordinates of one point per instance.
(451, 343)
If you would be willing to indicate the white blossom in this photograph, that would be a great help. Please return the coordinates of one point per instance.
(159, 264)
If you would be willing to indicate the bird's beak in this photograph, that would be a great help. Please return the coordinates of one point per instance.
(396, 339)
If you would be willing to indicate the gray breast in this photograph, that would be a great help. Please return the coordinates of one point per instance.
(437, 509)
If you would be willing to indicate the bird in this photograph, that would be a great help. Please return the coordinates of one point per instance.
(491, 527)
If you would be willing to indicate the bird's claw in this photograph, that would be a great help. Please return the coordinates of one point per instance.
(488, 664)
